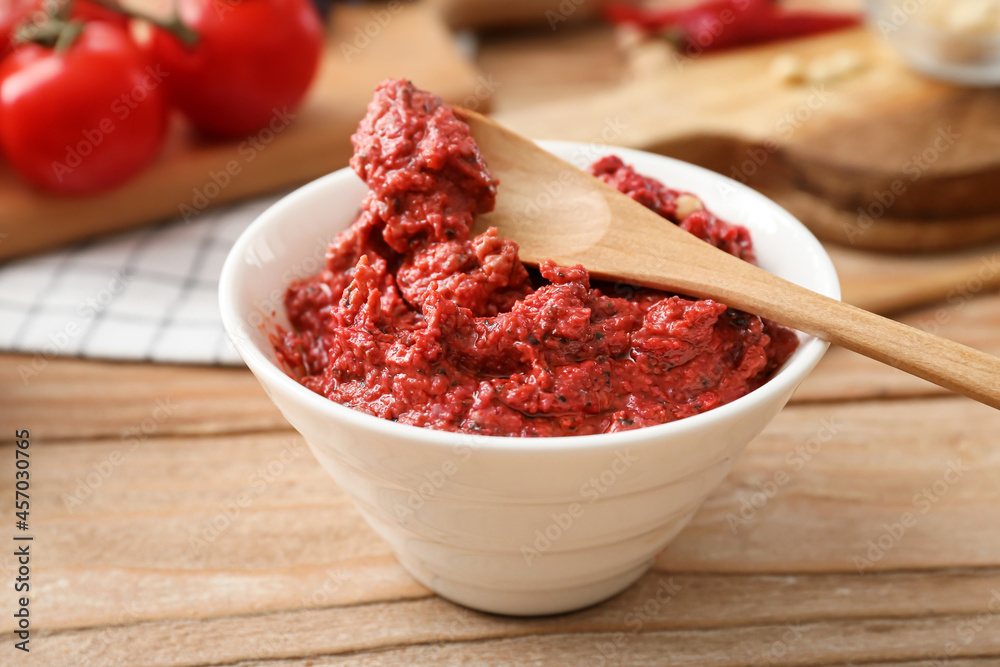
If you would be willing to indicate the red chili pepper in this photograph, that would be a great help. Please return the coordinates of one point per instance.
(644, 19)
(719, 24)
(787, 25)
(655, 20)
(713, 27)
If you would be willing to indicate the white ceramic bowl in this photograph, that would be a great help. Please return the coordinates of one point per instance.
(512, 525)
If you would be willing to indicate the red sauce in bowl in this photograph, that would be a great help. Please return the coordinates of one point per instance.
(414, 321)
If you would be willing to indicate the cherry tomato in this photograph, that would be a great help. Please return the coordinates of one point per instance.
(85, 119)
(14, 12)
(253, 62)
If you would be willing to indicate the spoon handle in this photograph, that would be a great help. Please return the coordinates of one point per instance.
(946, 363)
(618, 239)
(689, 266)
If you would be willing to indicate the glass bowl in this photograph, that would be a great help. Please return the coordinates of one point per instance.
(950, 40)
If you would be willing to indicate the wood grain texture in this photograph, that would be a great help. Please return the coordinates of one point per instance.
(294, 577)
(580, 60)
(420, 632)
(442, 656)
(888, 284)
(510, 13)
(315, 143)
(891, 234)
(295, 573)
(972, 320)
(113, 400)
(882, 158)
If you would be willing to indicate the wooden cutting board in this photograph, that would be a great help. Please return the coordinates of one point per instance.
(477, 14)
(880, 159)
(190, 174)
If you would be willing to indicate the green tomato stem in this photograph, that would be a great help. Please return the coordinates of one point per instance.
(47, 31)
(61, 10)
(173, 24)
(67, 35)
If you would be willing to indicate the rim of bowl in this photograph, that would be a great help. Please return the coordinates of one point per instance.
(882, 9)
(802, 361)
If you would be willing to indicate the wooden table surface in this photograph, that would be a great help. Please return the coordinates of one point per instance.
(142, 556)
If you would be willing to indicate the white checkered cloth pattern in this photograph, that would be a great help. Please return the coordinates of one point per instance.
(146, 295)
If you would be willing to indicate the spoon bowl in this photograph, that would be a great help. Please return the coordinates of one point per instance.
(618, 239)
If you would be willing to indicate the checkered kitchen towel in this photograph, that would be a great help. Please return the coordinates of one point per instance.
(147, 295)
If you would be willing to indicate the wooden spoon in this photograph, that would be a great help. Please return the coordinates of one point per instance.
(587, 222)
